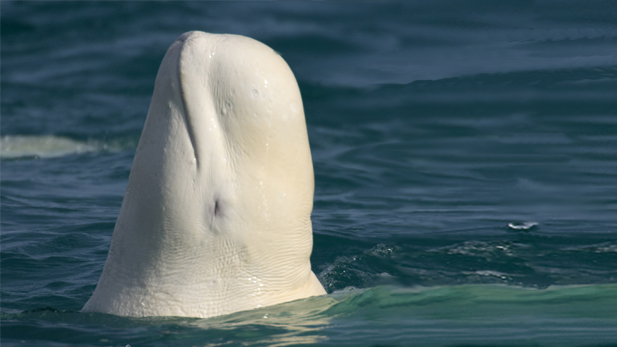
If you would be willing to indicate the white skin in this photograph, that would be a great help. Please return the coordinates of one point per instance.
(216, 215)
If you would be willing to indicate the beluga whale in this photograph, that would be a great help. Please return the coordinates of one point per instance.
(216, 214)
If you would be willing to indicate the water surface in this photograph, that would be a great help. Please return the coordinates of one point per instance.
(465, 160)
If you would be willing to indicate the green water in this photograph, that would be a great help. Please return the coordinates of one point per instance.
(441, 316)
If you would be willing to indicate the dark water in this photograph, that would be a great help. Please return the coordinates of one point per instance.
(440, 132)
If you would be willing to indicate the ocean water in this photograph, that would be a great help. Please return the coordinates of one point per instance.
(465, 159)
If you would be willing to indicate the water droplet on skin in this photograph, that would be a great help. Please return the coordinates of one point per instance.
(293, 107)
(227, 107)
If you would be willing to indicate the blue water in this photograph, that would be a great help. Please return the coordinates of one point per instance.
(465, 160)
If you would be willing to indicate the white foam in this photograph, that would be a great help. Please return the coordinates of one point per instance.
(522, 226)
(46, 146)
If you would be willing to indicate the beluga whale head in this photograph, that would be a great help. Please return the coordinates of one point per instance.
(216, 215)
